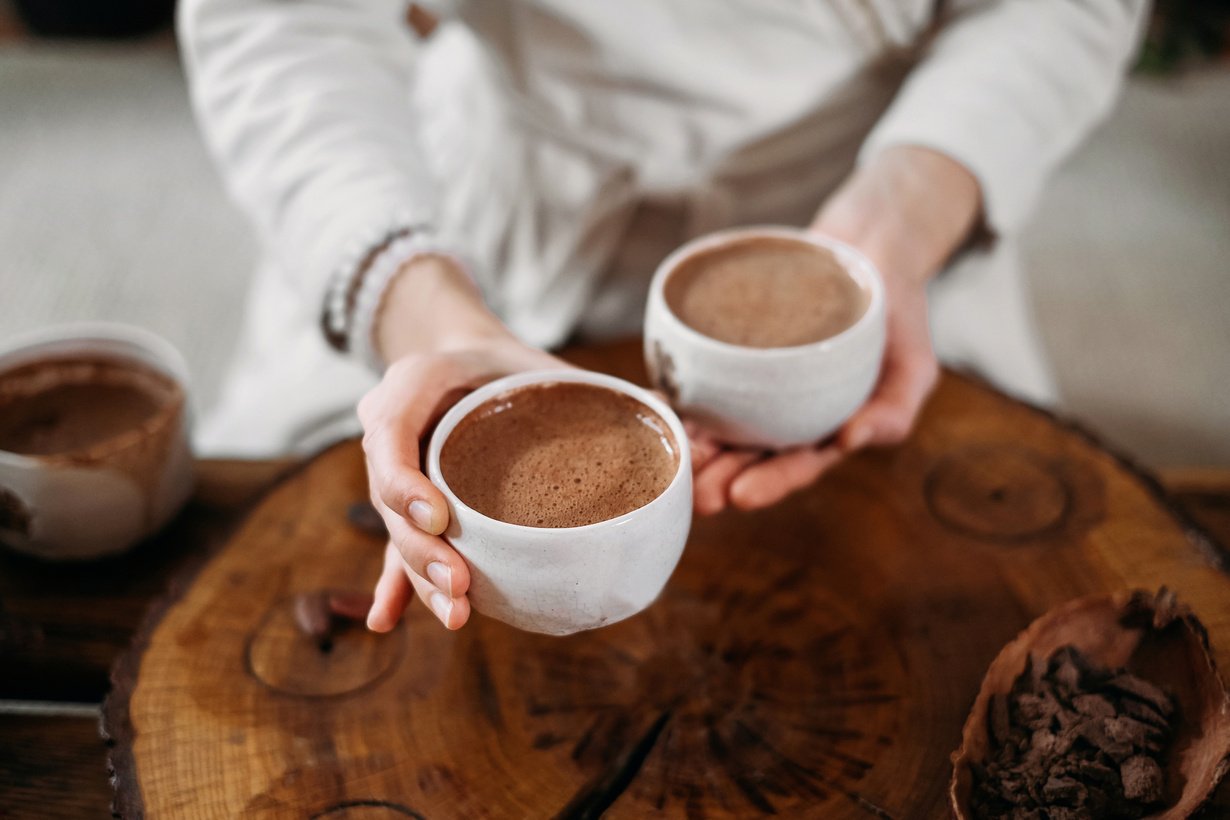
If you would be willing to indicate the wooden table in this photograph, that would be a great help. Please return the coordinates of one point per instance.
(61, 628)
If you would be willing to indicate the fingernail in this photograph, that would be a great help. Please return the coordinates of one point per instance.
(441, 574)
(420, 514)
(442, 605)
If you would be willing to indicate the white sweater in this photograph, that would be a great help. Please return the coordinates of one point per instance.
(562, 147)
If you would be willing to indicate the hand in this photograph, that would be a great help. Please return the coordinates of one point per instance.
(443, 343)
(907, 211)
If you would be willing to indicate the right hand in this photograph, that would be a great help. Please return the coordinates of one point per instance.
(430, 371)
(908, 211)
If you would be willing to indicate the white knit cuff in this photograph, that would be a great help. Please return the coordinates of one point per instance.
(348, 268)
(375, 280)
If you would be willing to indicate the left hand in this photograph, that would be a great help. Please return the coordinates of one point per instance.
(907, 211)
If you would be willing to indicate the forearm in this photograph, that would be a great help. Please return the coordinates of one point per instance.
(304, 107)
(1009, 88)
(432, 306)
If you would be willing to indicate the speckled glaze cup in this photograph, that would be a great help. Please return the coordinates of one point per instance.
(773, 398)
(568, 579)
(106, 497)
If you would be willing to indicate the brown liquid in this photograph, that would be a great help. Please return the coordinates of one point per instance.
(559, 455)
(766, 292)
(69, 406)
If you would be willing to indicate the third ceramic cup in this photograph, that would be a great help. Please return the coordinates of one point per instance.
(772, 337)
(570, 497)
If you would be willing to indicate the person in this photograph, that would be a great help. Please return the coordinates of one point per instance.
(444, 207)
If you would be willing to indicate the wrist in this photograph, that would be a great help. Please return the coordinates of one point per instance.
(942, 199)
(910, 209)
(432, 306)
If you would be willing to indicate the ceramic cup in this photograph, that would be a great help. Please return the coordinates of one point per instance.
(563, 580)
(105, 498)
(772, 398)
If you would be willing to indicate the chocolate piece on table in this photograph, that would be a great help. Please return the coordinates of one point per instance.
(1065, 813)
(312, 614)
(1139, 710)
(1142, 779)
(1063, 791)
(1095, 731)
(1093, 705)
(363, 517)
(1143, 691)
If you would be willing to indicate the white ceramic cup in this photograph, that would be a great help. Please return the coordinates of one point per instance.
(766, 397)
(97, 503)
(568, 579)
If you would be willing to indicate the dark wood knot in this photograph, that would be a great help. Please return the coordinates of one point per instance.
(312, 645)
(998, 492)
(367, 810)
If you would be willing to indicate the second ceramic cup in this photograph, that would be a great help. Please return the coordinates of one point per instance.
(100, 500)
(564, 580)
(766, 397)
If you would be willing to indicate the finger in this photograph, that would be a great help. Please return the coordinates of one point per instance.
(397, 482)
(452, 612)
(704, 447)
(889, 415)
(395, 416)
(431, 557)
(764, 484)
(712, 484)
(392, 593)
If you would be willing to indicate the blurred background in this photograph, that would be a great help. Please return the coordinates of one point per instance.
(110, 209)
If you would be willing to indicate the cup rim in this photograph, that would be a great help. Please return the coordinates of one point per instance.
(71, 332)
(548, 376)
(26, 347)
(852, 259)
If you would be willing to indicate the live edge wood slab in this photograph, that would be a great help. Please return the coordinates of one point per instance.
(812, 660)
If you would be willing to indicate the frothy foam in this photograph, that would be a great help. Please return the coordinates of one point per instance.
(68, 406)
(559, 455)
(766, 292)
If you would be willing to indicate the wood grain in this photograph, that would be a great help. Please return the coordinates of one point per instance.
(62, 625)
(1204, 494)
(52, 767)
(813, 660)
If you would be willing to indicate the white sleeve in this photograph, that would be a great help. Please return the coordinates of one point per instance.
(1009, 87)
(305, 106)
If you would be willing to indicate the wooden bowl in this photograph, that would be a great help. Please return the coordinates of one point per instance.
(1156, 639)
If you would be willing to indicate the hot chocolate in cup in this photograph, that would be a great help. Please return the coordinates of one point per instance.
(94, 452)
(570, 497)
(771, 337)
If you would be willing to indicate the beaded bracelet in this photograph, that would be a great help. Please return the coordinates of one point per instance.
(342, 290)
(375, 281)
